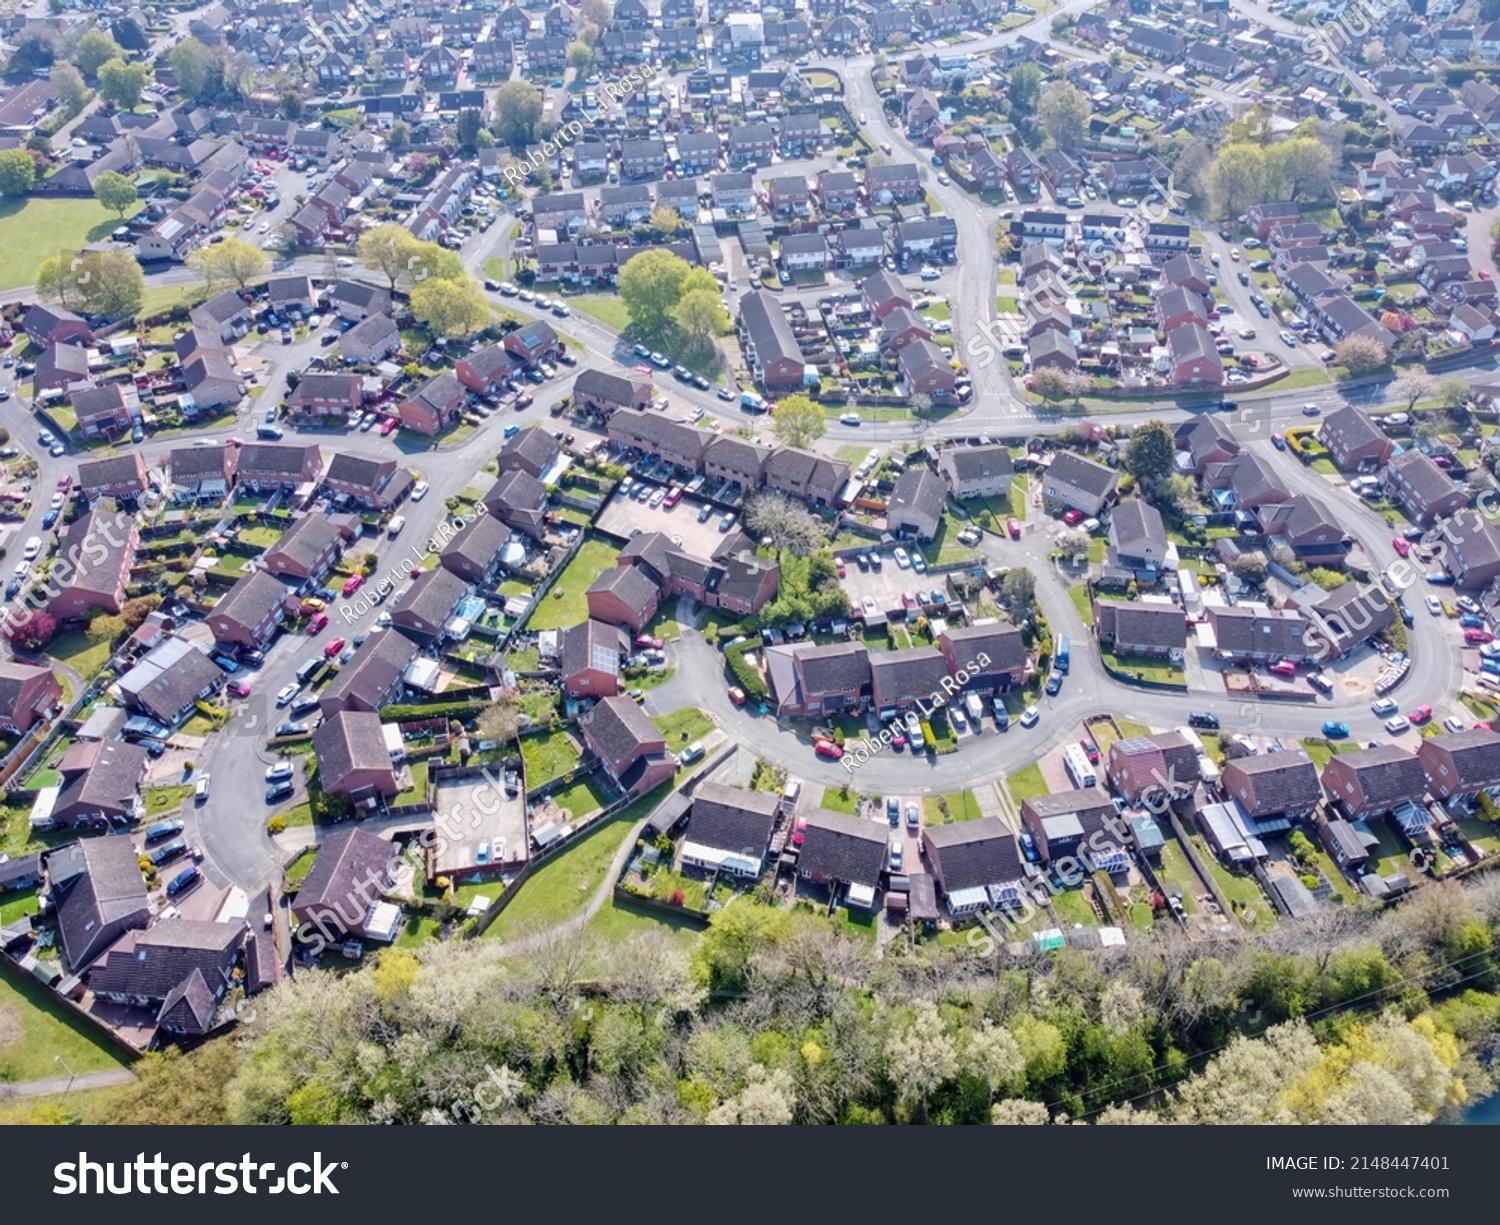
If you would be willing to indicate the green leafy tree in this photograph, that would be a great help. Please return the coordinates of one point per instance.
(580, 58)
(1018, 590)
(70, 87)
(17, 172)
(450, 308)
(190, 60)
(467, 127)
(1063, 114)
(1150, 454)
(797, 421)
(385, 249)
(116, 192)
(399, 137)
(1051, 384)
(701, 314)
(106, 628)
(1025, 89)
(651, 286)
(121, 84)
(94, 50)
(231, 262)
(665, 220)
(518, 110)
(292, 107)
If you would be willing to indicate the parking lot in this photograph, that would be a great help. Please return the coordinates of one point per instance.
(623, 515)
(886, 585)
(482, 813)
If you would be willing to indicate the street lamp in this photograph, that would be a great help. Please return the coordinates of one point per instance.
(71, 1074)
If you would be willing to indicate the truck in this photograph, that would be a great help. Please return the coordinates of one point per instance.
(975, 707)
(1063, 646)
(752, 403)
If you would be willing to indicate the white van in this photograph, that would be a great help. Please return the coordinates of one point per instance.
(393, 529)
(975, 708)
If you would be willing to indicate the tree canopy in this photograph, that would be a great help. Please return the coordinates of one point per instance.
(116, 192)
(797, 421)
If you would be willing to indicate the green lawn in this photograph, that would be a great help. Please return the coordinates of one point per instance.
(159, 299)
(683, 726)
(1073, 908)
(18, 906)
(165, 799)
(1161, 671)
(33, 230)
(260, 537)
(584, 797)
(962, 806)
(1304, 376)
(1080, 597)
(1130, 730)
(606, 308)
(835, 800)
(547, 756)
(84, 657)
(617, 920)
(36, 1031)
(1237, 887)
(1177, 876)
(563, 886)
(1018, 496)
(1027, 782)
(567, 602)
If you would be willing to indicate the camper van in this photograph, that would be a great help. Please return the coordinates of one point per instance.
(1079, 769)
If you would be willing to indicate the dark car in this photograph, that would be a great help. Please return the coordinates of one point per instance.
(252, 657)
(169, 851)
(279, 791)
(1203, 718)
(1054, 683)
(154, 747)
(291, 729)
(163, 829)
(183, 881)
(49, 519)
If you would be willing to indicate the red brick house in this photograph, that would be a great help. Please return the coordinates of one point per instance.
(28, 695)
(120, 476)
(102, 412)
(623, 595)
(486, 370)
(248, 614)
(632, 749)
(105, 551)
(533, 343)
(590, 655)
(1373, 782)
(328, 395)
(352, 758)
(434, 406)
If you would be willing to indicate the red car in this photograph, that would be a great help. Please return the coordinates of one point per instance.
(524, 400)
(1090, 750)
(736, 695)
(318, 624)
(1400, 546)
(839, 565)
(1013, 528)
(1072, 515)
(1476, 637)
(389, 424)
(827, 748)
(799, 831)
(646, 640)
(65, 483)
(239, 689)
(353, 583)
(333, 648)
(1421, 714)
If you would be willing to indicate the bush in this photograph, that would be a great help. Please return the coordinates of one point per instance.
(461, 711)
(276, 825)
(745, 676)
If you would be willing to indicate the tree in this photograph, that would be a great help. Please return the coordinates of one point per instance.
(785, 523)
(651, 286)
(398, 140)
(31, 631)
(1300, 167)
(599, 13)
(106, 628)
(499, 721)
(385, 249)
(921, 405)
(797, 421)
(666, 220)
(1373, 53)
(1176, 491)
(233, 261)
(1151, 453)
(518, 109)
(1362, 355)
(1238, 177)
(1251, 568)
(701, 315)
(1025, 88)
(450, 308)
(190, 60)
(580, 58)
(467, 127)
(920, 1056)
(17, 172)
(292, 107)
(112, 283)
(1414, 384)
(1049, 383)
(70, 87)
(1018, 590)
(1063, 113)
(121, 84)
(115, 192)
(135, 611)
(1453, 391)
(94, 50)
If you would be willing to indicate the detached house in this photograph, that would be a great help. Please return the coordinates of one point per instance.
(1354, 441)
(631, 748)
(1425, 490)
(1071, 481)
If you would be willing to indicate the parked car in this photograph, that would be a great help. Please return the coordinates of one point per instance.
(183, 881)
(827, 748)
(1422, 714)
(280, 791)
(1335, 731)
(284, 730)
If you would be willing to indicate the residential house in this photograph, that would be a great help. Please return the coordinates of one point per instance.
(1193, 357)
(1153, 769)
(1425, 490)
(1460, 766)
(306, 551)
(818, 680)
(631, 748)
(434, 406)
(120, 476)
(1071, 481)
(992, 653)
(249, 612)
(1063, 824)
(97, 892)
(925, 369)
(975, 865)
(914, 510)
(107, 545)
(600, 392)
(1256, 633)
(181, 969)
(321, 395)
(1138, 540)
(102, 412)
(266, 466)
(353, 760)
(590, 657)
(769, 345)
(1354, 441)
(430, 601)
(623, 595)
(1305, 525)
(520, 502)
(373, 678)
(373, 339)
(341, 896)
(380, 484)
(844, 853)
(1151, 630)
(883, 293)
(28, 696)
(729, 829)
(170, 680)
(900, 679)
(1375, 782)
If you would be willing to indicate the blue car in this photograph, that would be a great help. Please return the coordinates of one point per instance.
(49, 518)
(1470, 622)
(1335, 731)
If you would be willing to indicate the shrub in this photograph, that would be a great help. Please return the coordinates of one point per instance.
(676, 898)
(276, 825)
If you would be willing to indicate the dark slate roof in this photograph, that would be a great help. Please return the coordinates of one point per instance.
(116, 470)
(251, 598)
(1159, 625)
(1418, 471)
(305, 541)
(980, 463)
(189, 1006)
(912, 673)
(591, 644)
(629, 585)
(1273, 783)
(1387, 774)
(1082, 473)
(835, 667)
(918, 492)
(110, 779)
(350, 740)
(1137, 525)
(1475, 754)
(1089, 804)
(843, 848)
(373, 670)
(347, 859)
(1246, 629)
(533, 444)
(478, 541)
(765, 322)
(617, 727)
(152, 962)
(110, 890)
(1001, 641)
(973, 854)
(357, 470)
(431, 598)
(612, 388)
(733, 819)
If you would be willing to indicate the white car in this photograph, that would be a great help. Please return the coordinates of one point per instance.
(1453, 724)
(1384, 708)
(345, 262)
(33, 547)
(1030, 716)
(281, 770)
(264, 226)
(200, 792)
(902, 559)
(288, 692)
(419, 491)
(850, 419)
(1434, 606)
(394, 528)
(1397, 725)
